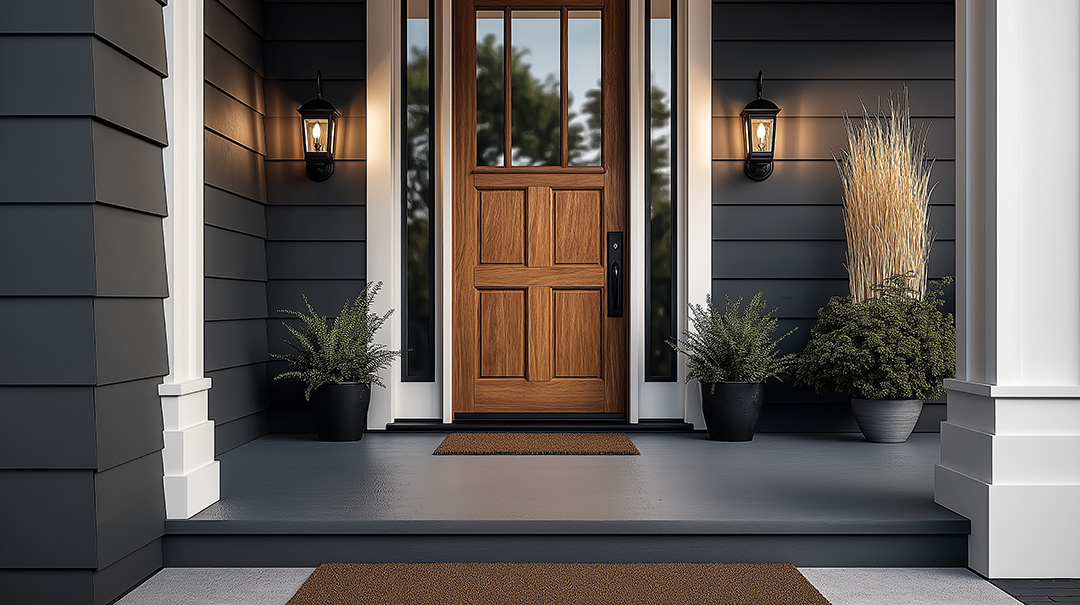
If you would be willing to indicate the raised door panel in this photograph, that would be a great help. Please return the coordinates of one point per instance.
(579, 316)
(502, 227)
(502, 333)
(518, 395)
(578, 236)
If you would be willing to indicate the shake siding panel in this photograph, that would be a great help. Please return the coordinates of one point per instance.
(45, 427)
(79, 369)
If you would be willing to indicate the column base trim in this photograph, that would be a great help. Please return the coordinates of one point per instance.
(186, 495)
(1013, 391)
(184, 387)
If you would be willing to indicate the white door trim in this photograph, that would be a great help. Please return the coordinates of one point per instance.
(404, 400)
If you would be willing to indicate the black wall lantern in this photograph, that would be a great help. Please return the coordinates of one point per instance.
(759, 125)
(318, 119)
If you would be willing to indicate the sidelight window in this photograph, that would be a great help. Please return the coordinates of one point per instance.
(660, 270)
(418, 188)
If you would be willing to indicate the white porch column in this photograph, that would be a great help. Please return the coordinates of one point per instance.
(191, 473)
(1010, 447)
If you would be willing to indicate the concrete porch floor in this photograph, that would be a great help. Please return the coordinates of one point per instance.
(809, 499)
(841, 586)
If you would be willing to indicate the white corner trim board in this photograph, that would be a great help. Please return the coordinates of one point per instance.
(384, 194)
(191, 475)
(698, 191)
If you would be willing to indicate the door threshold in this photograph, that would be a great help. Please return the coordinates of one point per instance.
(539, 422)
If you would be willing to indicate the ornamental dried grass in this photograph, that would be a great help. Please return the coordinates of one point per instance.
(886, 179)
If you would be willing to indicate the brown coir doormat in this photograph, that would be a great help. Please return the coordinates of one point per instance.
(537, 443)
(558, 583)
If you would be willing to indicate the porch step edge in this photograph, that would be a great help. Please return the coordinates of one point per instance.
(957, 525)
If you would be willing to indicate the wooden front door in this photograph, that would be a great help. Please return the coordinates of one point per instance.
(540, 319)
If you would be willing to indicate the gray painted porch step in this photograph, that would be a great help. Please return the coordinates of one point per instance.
(812, 500)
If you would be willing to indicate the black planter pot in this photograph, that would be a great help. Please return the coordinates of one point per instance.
(340, 410)
(731, 409)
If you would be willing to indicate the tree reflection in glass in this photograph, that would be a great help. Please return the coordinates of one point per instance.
(661, 270)
(490, 91)
(536, 94)
(419, 253)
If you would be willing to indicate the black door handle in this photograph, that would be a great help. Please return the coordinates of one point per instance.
(615, 273)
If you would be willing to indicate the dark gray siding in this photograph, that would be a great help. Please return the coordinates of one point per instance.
(82, 198)
(785, 236)
(315, 232)
(235, 216)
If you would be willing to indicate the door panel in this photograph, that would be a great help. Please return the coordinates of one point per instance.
(502, 333)
(579, 327)
(578, 237)
(530, 325)
(502, 227)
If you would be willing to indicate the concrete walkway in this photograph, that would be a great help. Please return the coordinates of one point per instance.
(841, 586)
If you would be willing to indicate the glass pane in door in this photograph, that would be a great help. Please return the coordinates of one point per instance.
(583, 68)
(490, 91)
(536, 88)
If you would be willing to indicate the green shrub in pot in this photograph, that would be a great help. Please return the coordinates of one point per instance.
(894, 346)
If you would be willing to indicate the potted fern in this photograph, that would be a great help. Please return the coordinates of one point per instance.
(731, 354)
(338, 360)
(888, 352)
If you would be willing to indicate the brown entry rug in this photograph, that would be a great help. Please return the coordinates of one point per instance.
(537, 443)
(558, 583)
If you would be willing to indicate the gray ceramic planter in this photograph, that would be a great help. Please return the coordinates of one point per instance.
(886, 420)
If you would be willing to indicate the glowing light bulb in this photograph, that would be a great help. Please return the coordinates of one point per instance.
(316, 134)
(761, 136)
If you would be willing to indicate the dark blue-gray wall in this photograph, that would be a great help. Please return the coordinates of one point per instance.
(315, 232)
(271, 233)
(82, 197)
(235, 216)
(785, 236)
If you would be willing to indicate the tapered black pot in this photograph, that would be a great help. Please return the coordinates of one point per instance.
(340, 410)
(732, 409)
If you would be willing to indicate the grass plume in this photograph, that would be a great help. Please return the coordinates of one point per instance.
(886, 179)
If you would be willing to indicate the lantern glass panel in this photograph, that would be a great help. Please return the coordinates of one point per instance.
(761, 134)
(317, 135)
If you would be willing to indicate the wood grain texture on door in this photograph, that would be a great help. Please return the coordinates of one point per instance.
(530, 325)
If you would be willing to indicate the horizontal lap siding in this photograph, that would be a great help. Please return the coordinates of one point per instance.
(785, 236)
(315, 232)
(235, 216)
(80, 416)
